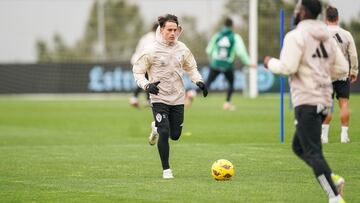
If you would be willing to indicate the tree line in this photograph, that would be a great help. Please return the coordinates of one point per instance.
(124, 26)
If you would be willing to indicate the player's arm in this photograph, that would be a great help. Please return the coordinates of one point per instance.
(340, 68)
(211, 45)
(353, 59)
(141, 66)
(290, 56)
(241, 52)
(190, 68)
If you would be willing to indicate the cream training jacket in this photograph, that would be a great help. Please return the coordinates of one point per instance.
(347, 46)
(311, 58)
(166, 63)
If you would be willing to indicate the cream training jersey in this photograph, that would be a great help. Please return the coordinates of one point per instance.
(347, 45)
(311, 58)
(166, 63)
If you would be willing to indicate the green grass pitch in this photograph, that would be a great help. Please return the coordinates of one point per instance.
(87, 149)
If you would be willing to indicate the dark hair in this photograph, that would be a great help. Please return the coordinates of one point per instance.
(228, 22)
(313, 6)
(332, 14)
(167, 18)
(154, 27)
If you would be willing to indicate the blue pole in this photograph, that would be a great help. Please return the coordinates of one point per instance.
(281, 80)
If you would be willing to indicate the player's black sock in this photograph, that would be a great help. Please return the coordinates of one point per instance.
(163, 147)
(229, 94)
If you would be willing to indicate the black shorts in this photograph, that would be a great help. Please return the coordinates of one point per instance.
(169, 116)
(341, 89)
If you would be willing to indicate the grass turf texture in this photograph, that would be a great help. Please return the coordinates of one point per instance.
(66, 149)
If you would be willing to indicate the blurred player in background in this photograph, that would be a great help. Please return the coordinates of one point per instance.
(222, 49)
(341, 85)
(165, 61)
(145, 40)
(311, 58)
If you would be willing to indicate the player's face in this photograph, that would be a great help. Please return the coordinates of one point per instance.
(169, 32)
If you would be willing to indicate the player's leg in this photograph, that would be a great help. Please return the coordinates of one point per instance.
(210, 79)
(176, 119)
(229, 75)
(308, 130)
(190, 95)
(325, 129)
(134, 99)
(297, 148)
(175, 122)
(344, 111)
(343, 97)
(344, 118)
(326, 123)
(338, 181)
(137, 92)
(161, 113)
(212, 76)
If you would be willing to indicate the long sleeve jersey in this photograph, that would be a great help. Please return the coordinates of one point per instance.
(311, 58)
(347, 45)
(166, 63)
(223, 47)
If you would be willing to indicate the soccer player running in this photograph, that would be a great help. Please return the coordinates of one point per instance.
(165, 61)
(311, 57)
(145, 40)
(222, 49)
(341, 85)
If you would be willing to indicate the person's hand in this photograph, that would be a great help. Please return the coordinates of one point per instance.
(266, 61)
(353, 78)
(152, 88)
(203, 87)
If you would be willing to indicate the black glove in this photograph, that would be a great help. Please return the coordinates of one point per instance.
(203, 87)
(152, 88)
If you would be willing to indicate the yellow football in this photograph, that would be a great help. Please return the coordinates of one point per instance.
(222, 169)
